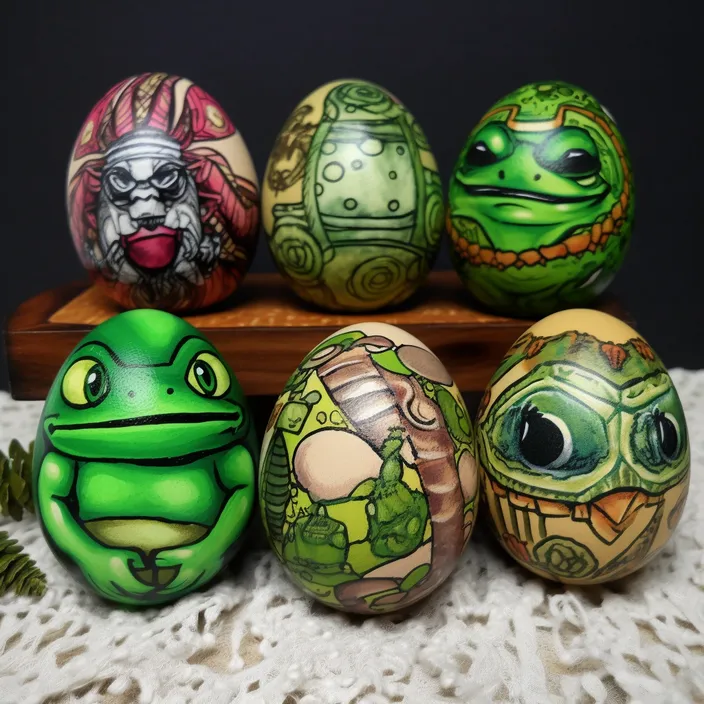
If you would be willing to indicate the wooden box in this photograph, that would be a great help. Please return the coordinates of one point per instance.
(266, 331)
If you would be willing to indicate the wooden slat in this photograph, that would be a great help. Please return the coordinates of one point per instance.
(266, 331)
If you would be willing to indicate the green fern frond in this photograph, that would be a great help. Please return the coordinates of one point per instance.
(18, 572)
(16, 481)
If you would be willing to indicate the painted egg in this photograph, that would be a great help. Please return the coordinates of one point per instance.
(352, 203)
(584, 449)
(368, 483)
(145, 460)
(541, 201)
(162, 196)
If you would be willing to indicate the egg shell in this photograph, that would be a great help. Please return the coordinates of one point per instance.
(584, 449)
(352, 202)
(541, 201)
(368, 484)
(162, 196)
(145, 460)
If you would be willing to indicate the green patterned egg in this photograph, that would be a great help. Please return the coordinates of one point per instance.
(352, 200)
(541, 202)
(368, 483)
(584, 449)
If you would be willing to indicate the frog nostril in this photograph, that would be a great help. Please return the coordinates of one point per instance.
(130, 394)
(502, 175)
(536, 177)
(169, 391)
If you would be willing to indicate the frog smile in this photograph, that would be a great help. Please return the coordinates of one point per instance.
(499, 192)
(158, 438)
(157, 419)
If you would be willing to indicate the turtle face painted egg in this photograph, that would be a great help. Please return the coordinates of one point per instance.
(162, 196)
(368, 483)
(144, 462)
(583, 448)
(352, 202)
(541, 201)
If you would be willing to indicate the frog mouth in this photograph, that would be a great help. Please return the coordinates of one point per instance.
(157, 419)
(588, 238)
(147, 439)
(500, 192)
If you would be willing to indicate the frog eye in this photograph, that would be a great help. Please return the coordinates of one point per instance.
(491, 144)
(85, 383)
(544, 440)
(658, 438)
(572, 153)
(208, 376)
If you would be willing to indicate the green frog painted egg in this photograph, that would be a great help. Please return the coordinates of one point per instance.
(144, 469)
(583, 449)
(541, 201)
(368, 483)
(352, 202)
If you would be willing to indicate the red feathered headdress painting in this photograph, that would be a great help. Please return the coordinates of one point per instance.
(162, 195)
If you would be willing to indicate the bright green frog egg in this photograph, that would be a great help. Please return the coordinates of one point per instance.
(541, 201)
(145, 459)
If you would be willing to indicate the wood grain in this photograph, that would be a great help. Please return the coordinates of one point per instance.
(265, 331)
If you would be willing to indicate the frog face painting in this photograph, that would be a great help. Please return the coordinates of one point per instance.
(584, 449)
(145, 463)
(368, 482)
(541, 201)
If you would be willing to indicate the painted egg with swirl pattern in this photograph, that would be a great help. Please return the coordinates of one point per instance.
(584, 449)
(367, 479)
(352, 202)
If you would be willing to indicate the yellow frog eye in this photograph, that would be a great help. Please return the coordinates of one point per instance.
(208, 376)
(85, 383)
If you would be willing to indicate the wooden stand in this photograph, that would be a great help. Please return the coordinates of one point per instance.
(266, 331)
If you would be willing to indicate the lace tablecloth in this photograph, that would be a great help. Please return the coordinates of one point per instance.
(493, 632)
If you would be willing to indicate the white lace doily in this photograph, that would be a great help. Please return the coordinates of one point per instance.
(492, 632)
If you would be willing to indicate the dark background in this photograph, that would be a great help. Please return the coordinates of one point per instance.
(447, 61)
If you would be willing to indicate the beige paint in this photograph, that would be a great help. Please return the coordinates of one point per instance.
(393, 333)
(467, 469)
(527, 524)
(593, 322)
(398, 569)
(329, 464)
(294, 194)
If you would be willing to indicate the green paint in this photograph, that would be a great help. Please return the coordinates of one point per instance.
(541, 180)
(369, 226)
(397, 515)
(607, 421)
(144, 461)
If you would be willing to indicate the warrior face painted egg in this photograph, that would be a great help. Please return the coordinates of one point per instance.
(368, 483)
(162, 196)
(584, 449)
(541, 201)
(352, 203)
(144, 462)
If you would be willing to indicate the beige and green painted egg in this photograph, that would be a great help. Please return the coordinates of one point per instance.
(584, 449)
(352, 200)
(368, 483)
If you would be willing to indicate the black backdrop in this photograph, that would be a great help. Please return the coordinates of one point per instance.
(447, 61)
